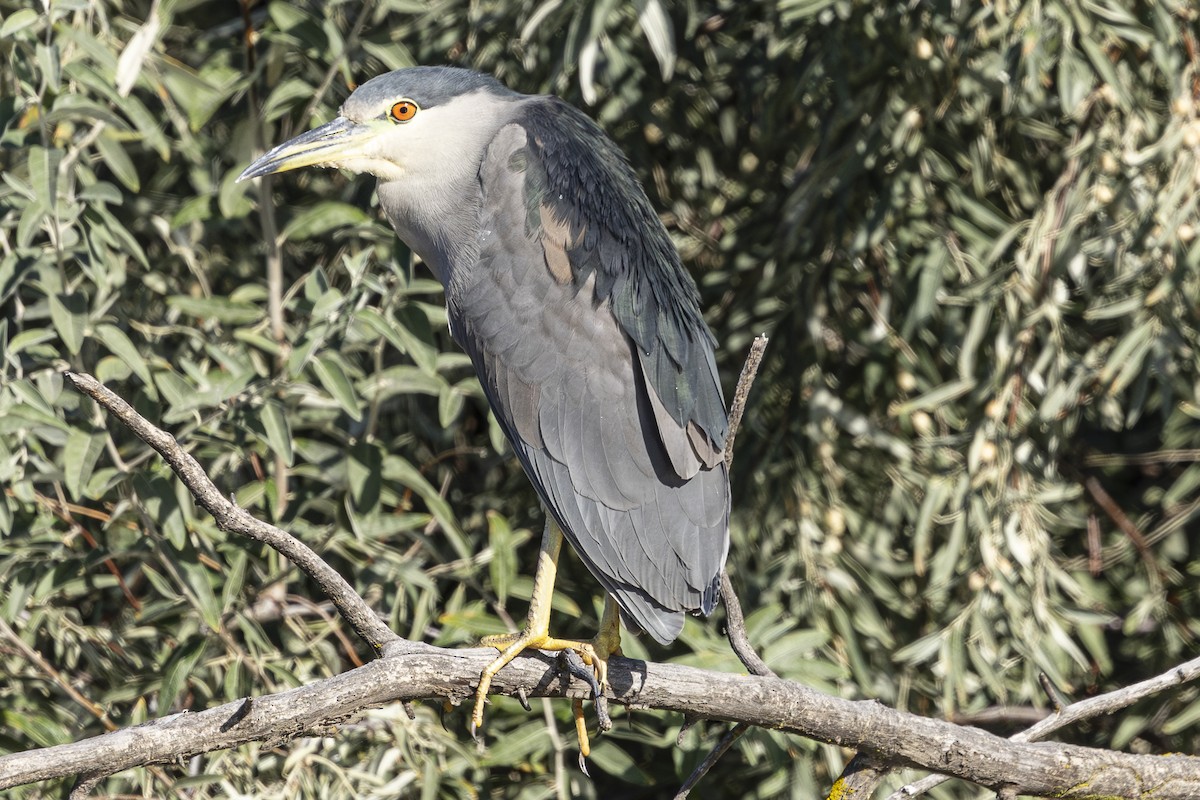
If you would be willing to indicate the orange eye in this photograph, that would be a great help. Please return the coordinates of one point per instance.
(404, 111)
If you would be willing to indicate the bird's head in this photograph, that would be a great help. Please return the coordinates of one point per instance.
(400, 125)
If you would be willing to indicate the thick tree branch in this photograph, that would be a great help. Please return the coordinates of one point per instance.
(410, 671)
(1078, 712)
(236, 520)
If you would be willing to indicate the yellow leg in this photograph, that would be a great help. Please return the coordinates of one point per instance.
(607, 643)
(536, 633)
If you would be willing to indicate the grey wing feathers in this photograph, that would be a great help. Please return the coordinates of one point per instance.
(576, 396)
(576, 172)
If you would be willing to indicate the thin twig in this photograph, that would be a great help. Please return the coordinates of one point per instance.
(735, 621)
(735, 630)
(745, 381)
(274, 252)
(233, 519)
(1119, 517)
(710, 760)
(1078, 712)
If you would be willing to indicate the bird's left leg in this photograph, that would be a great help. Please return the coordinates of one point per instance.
(536, 633)
(607, 643)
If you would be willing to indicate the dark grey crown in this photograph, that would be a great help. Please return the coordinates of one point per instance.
(427, 86)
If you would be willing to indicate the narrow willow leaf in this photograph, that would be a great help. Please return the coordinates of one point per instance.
(18, 21)
(199, 580)
(43, 174)
(322, 218)
(943, 394)
(180, 665)
(114, 155)
(400, 470)
(50, 60)
(364, 472)
(374, 319)
(503, 566)
(610, 757)
(79, 458)
(279, 434)
(219, 308)
(659, 33)
(133, 56)
(332, 376)
(69, 313)
(450, 405)
(412, 328)
(123, 348)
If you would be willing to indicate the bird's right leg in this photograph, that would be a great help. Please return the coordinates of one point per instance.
(536, 633)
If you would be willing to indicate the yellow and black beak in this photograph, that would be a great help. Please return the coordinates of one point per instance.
(330, 145)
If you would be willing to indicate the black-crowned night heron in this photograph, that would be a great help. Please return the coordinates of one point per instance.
(567, 293)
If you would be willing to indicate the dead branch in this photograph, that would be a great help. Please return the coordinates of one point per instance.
(411, 671)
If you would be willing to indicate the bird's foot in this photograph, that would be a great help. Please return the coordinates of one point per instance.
(594, 654)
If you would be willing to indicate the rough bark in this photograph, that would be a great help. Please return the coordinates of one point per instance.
(411, 671)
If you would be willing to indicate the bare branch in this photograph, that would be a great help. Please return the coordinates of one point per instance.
(735, 621)
(410, 671)
(1078, 712)
(236, 520)
(710, 760)
(745, 381)
(860, 778)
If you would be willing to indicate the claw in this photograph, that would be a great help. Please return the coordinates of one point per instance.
(575, 666)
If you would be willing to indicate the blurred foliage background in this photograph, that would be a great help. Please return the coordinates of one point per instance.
(973, 454)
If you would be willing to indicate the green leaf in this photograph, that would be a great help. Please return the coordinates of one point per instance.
(613, 760)
(412, 328)
(1184, 720)
(503, 566)
(199, 579)
(364, 471)
(450, 404)
(322, 218)
(43, 174)
(398, 469)
(179, 667)
(157, 496)
(175, 390)
(328, 367)
(279, 433)
(18, 21)
(114, 155)
(69, 313)
(123, 348)
(79, 459)
(218, 308)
